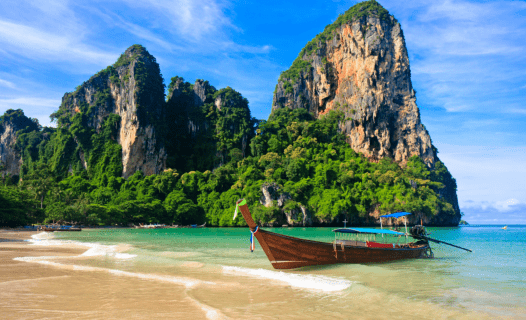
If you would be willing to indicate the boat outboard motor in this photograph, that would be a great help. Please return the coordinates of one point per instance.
(418, 231)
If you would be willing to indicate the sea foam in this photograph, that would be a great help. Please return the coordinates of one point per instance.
(186, 282)
(95, 249)
(295, 280)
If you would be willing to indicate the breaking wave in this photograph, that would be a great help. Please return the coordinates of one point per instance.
(295, 280)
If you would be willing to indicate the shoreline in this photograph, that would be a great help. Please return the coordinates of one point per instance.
(61, 279)
(63, 290)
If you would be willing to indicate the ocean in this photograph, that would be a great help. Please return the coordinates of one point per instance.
(214, 269)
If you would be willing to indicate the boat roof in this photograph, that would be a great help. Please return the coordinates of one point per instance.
(369, 231)
(396, 215)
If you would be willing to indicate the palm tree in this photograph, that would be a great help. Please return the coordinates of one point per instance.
(39, 182)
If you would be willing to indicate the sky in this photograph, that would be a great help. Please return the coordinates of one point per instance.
(468, 66)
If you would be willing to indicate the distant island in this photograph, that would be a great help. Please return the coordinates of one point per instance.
(344, 140)
(463, 222)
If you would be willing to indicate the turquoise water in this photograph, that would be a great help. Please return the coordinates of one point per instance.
(488, 283)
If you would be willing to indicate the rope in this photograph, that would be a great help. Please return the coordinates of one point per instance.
(252, 243)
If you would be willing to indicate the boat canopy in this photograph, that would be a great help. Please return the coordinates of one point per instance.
(369, 231)
(396, 215)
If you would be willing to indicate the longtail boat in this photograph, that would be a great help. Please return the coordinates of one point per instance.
(356, 245)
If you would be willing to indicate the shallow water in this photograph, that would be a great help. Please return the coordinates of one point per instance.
(214, 270)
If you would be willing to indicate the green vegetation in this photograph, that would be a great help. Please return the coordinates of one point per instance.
(205, 137)
(216, 154)
(306, 159)
(304, 60)
(19, 121)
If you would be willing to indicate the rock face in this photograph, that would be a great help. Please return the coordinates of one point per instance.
(10, 160)
(298, 216)
(359, 65)
(185, 101)
(203, 124)
(133, 89)
(10, 123)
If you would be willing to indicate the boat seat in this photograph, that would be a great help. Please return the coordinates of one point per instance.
(352, 243)
(372, 244)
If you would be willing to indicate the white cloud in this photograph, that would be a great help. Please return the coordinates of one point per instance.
(517, 111)
(484, 173)
(38, 102)
(468, 55)
(36, 44)
(8, 84)
(39, 108)
(506, 205)
(192, 19)
(503, 212)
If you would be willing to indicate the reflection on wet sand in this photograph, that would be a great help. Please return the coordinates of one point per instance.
(60, 291)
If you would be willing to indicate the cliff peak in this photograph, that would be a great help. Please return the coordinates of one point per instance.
(131, 88)
(134, 53)
(359, 66)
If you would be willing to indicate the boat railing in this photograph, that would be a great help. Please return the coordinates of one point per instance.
(354, 238)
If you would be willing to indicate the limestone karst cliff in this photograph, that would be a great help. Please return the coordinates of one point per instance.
(204, 125)
(359, 65)
(296, 168)
(118, 122)
(133, 89)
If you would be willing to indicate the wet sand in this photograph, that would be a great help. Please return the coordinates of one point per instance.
(37, 291)
(65, 279)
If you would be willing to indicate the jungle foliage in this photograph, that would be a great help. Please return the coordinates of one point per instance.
(205, 136)
(307, 159)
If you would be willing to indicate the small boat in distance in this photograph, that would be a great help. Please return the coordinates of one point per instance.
(150, 226)
(59, 228)
(505, 228)
(352, 245)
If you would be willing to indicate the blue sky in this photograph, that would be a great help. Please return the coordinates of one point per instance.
(468, 63)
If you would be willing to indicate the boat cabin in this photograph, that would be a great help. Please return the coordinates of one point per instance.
(370, 238)
(374, 238)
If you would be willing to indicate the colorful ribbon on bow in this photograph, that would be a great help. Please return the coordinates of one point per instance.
(242, 203)
(252, 242)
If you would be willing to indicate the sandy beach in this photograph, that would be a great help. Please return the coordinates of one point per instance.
(37, 291)
(210, 273)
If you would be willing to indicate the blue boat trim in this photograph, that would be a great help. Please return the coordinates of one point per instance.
(396, 215)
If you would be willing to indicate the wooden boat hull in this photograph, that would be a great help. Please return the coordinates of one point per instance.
(285, 252)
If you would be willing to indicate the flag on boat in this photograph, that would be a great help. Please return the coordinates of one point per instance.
(242, 203)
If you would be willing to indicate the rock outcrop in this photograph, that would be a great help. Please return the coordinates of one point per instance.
(10, 124)
(296, 215)
(359, 65)
(133, 89)
(184, 102)
(10, 160)
(204, 124)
